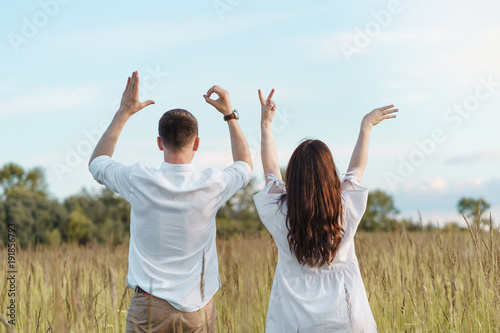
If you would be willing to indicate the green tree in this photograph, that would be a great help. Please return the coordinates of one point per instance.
(473, 209)
(109, 212)
(379, 212)
(53, 237)
(410, 225)
(116, 225)
(80, 227)
(25, 203)
(13, 177)
(33, 214)
(239, 215)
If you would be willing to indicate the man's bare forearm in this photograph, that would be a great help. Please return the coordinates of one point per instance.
(107, 143)
(129, 105)
(239, 145)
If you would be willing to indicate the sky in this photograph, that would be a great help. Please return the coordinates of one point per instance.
(64, 66)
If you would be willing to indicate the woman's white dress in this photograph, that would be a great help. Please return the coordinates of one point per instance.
(331, 298)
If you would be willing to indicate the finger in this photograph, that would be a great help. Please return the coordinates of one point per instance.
(262, 101)
(211, 91)
(218, 90)
(391, 116)
(136, 83)
(128, 84)
(134, 79)
(209, 100)
(147, 103)
(390, 111)
(386, 107)
(270, 95)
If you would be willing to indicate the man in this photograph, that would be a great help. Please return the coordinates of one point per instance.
(173, 265)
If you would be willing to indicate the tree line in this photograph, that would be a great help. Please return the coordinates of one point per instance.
(105, 216)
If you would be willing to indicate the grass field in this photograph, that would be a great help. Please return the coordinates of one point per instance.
(416, 282)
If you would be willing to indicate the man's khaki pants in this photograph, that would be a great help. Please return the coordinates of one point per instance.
(152, 314)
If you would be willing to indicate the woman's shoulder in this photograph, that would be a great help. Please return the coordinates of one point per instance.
(270, 194)
(352, 188)
(270, 207)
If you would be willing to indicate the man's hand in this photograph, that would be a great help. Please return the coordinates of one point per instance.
(222, 104)
(268, 108)
(130, 103)
(239, 146)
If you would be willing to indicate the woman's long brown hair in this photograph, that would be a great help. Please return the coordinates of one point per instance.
(314, 208)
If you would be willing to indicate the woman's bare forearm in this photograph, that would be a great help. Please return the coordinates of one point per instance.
(359, 157)
(268, 151)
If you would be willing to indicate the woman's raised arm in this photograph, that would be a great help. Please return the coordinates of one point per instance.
(359, 156)
(268, 151)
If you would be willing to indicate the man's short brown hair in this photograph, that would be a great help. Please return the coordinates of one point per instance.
(177, 128)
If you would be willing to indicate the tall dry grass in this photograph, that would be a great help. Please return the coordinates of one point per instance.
(416, 282)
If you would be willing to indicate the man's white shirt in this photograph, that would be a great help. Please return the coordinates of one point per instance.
(172, 225)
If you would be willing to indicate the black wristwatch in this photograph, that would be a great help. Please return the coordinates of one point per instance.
(234, 115)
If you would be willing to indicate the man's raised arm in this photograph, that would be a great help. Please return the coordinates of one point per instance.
(130, 104)
(239, 145)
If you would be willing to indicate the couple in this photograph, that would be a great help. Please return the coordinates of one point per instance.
(312, 217)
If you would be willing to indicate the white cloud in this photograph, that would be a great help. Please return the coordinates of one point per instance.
(438, 193)
(461, 55)
(158, 35)
(486, 156)
(47, 99)
(438, 184)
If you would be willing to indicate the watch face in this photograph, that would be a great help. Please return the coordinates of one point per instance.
(237, 114)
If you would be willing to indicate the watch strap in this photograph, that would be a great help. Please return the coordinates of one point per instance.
(230, 116)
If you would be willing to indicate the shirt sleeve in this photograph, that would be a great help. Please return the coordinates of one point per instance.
(113, 175)
(236, 177)
(352, 179)
(267, 203)
(358, 199)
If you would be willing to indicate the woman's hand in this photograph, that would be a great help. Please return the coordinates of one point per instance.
(377, 115)
(268, 151)
(359, 156)
(268, 108)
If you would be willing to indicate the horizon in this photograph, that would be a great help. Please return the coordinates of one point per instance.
(65, 65)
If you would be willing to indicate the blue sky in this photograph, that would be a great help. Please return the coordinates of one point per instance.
(64, 65)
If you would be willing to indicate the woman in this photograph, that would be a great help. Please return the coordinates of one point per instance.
(313, 217)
